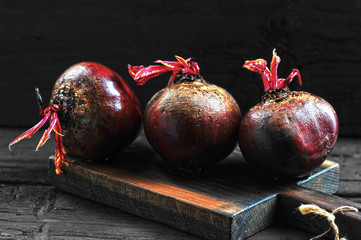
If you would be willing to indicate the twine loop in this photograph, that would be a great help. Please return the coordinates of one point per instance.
(314, 209)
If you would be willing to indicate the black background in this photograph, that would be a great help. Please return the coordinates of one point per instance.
(40, 39)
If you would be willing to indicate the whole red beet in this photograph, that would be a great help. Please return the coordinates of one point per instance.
(289, 133)
(190, 123)
(93, 113)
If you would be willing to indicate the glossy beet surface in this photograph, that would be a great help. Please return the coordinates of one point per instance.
(289, 137)
(192, 123)
(102, 114)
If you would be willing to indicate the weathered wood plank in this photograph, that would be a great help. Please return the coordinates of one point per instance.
(43, 212)
(347, 152)
(231, 200)
(349, 189)
(354, 199)
(281, 232)
(24, 163)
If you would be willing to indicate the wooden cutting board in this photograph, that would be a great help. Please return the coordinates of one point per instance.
(230, 200)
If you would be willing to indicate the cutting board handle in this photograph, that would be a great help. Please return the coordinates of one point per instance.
(349, 223)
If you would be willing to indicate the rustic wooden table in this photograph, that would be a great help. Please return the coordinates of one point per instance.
(31, 208)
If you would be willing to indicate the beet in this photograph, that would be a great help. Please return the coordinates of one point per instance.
(93, 112)
(289, 133)
(190, 123)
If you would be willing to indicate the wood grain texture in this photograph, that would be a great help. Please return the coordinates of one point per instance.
(348, 154)
(23, 164)
(40, 40)
(230, 200)
(43, 212)
(23, 170)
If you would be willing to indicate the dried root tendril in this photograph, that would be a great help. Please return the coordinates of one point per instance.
(52, 113)
(314, 209)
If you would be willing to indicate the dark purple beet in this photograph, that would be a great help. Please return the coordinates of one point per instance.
(289, 133)
(93, 112)
(190, 123)
(102, 114)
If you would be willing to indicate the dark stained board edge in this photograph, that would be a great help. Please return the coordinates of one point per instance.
(200, 214)
(349, 223)
(138, 200)
(254, 218)
(262, 214)
(325, 181)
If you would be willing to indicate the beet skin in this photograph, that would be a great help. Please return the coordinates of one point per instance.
(289, 137)
(288, 133)
(102, 114)
(192, 124)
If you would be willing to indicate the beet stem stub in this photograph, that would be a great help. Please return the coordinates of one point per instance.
(52, 113)
(183, 66)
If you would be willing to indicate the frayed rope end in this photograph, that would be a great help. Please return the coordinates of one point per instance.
(314, 209)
